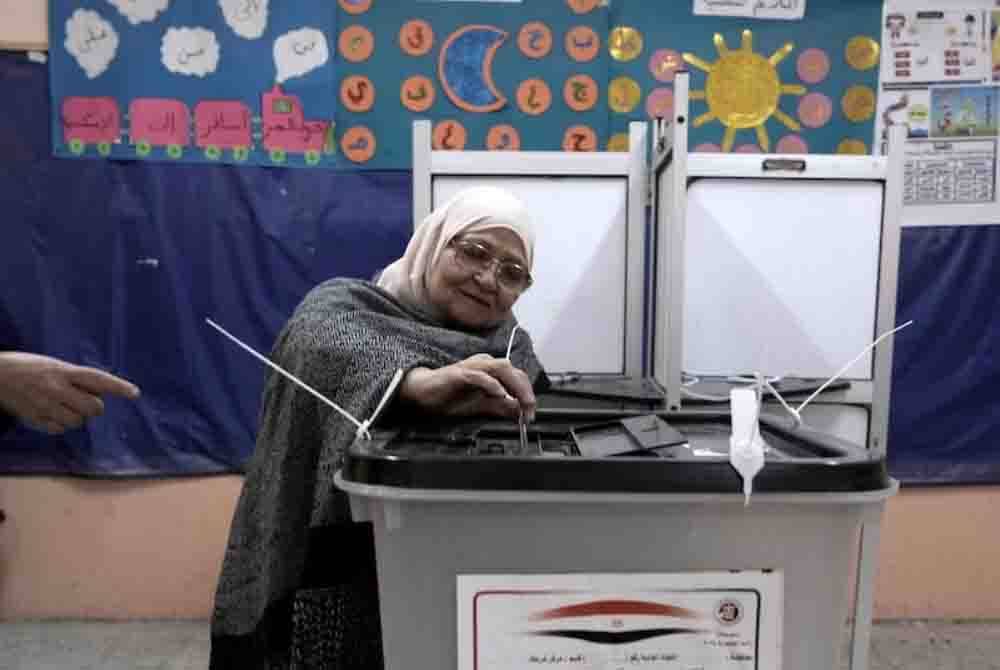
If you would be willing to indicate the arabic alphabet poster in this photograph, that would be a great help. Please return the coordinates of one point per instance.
(498, 76)
(572, 74)
(233, 81)
(304, 83)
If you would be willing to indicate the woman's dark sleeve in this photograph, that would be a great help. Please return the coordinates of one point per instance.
(542, 383)
(7, 422)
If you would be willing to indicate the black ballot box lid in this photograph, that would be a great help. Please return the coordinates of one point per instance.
(607, 450)
(573, 390)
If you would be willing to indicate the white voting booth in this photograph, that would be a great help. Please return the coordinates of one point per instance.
(783, 265)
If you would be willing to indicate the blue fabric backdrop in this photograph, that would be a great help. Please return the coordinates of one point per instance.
(945, 419)
(117, 264)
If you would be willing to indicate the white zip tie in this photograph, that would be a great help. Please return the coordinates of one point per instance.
(797, 412)
(777, 395)
(510, 343)
(362, 426)
(522, 430)
(848, 366)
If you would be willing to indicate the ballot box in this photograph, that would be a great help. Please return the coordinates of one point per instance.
(624, 479)
(608, 492)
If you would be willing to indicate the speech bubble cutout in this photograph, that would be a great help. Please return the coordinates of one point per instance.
(247, 18)
(299, 52)
(190, 51)
(91, 40)
(137, 11)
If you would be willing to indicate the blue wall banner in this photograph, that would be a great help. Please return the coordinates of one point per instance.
(117, 265)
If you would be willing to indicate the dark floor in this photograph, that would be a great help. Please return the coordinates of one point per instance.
(170, 645)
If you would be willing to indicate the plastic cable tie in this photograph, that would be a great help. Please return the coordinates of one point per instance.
(288, 375)
(510, 343)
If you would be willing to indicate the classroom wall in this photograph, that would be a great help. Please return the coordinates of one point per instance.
(24, 24)
(82, 548)
(98, 549)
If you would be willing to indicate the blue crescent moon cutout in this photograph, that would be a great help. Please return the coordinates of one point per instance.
(465, 68)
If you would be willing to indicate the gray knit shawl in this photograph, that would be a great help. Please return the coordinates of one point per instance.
(346, 339)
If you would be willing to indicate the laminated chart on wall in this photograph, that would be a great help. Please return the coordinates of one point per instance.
(338, 84)
(938, 73)
(235, 81)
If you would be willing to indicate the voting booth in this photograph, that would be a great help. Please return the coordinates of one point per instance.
(784, 265)
(780, 264)
(623, 532)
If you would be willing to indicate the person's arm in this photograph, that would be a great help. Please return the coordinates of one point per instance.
(53, 395)
(480, 384)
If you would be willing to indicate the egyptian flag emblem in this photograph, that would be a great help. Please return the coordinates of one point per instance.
(607, 622)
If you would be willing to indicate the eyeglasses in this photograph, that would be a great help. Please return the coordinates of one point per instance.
(477, 257)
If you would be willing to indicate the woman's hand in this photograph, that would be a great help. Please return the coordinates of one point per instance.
(480, 384)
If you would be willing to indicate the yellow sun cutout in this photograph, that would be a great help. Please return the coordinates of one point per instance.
(743, 89)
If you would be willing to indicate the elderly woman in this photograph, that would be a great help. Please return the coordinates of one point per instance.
(298, 582)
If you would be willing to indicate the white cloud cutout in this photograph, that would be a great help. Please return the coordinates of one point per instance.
(91, 40)
(247, 18)
(299, 52)
(190, 51)
(137, 11)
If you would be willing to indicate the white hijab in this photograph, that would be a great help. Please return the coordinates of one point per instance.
(473, 209)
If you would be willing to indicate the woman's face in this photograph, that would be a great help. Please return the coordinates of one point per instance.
(470, 299)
